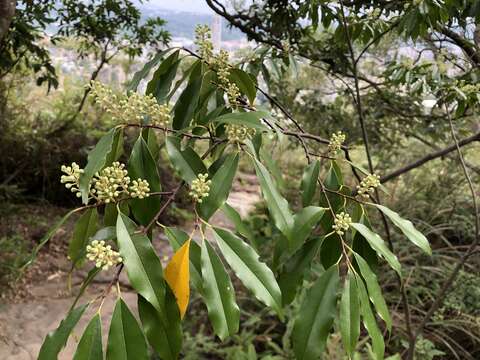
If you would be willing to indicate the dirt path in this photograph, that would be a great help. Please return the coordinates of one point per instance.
(24, 324)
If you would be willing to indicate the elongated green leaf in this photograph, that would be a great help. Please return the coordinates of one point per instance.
(163, 77)
(273, 168)
(239, 224)
(56, 340)
(315, 319)
(277, 205)
(117, 147)
(165, 336)
(84, 229)
(369, 320)
(220, 187)
(143, 72)
(142, 165)
(186, 161)
(152, 142)
(186, 104)
(379, 246)
(407, 228)
(292, 273)
(125, 338)
(309, 182)
(350, 315)
(111, 213)
(250, 119)
(245, 83)
(177, 238)
(143, 266)
(45, 239)
(374, 291)
(97, 159)
(304, 222)
(219, 294)
(90, 345)
(184, 77)
(253, 273)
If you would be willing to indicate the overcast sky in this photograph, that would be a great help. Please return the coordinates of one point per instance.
(183, 5)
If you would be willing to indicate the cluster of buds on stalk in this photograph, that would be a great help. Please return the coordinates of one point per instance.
(72, 178)
(238, 133)
(200, 188)
(220, 63)
(341, 223)
(134, 108)
(102, 255)
(335, 144)
(108, 184)
(203, 40)
(367, 185)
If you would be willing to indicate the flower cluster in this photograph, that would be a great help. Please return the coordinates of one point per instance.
(203, 40)
(342, 223)
(71, 180)
(103, 255)
(110, 183)
(223, 71)
(239, 133)
(130, 109)
(200, 187)
(368, 185)
(139, 189)
(335, 144)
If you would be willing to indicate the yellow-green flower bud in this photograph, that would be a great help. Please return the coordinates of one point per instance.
(110, 183)
(139, 189)
(102, 255)
(368, 185)
(72, 178)
(239, 133)
(200, 188)
(335, 144)
(342, 223)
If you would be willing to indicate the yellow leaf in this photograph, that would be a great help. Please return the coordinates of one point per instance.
(177, 275)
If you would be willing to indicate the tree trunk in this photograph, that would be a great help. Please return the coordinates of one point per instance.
(7, 10)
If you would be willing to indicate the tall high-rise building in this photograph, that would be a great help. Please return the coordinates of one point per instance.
(217, 31)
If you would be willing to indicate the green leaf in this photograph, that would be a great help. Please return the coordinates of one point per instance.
(303, 224)
(334, 178)
(106, 233)
(244, 82)
(152, 141)
(369, 320)
(277, 205)
(374, 290)
(292, 273)
(90, 345)
(165, 336)
(142, 73)
(144, 269)
(56, 340)
(117, 148)
(254, 274)
(218, 294)
(273, 168)
(331, 250)
(315, 319)
(220, 187)
(186, 104)
(186, 161)
(125, 338)
(177, 238)
(163, 77)
(84, 230)
(377, 243)
(97, 159)
(350, 315)
(407, 228)
(239, 224)
(250, 119)
(111, 213)
(309, 182)
(142, 165)
(45, 239)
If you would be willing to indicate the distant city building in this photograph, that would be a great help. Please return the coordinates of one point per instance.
(217, 31)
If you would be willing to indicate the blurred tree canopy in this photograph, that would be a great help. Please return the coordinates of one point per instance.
(103, 28)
